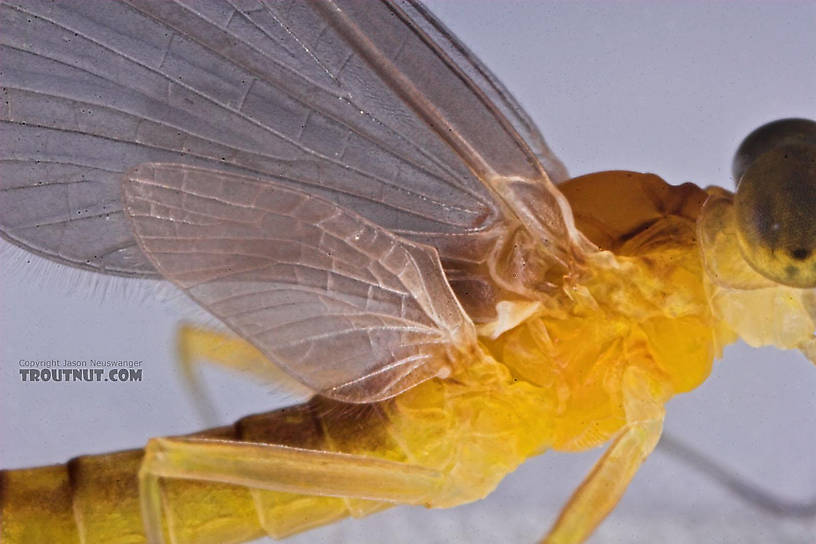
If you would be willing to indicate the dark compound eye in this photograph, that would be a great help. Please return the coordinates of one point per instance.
(775, 167)
(770, 136)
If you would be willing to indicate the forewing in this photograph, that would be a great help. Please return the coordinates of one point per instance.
(483, 79)
(371, 105)
(353, 311)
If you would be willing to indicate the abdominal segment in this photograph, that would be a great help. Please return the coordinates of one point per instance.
(475, 427)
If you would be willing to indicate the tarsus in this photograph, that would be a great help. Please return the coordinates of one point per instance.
(745, 490)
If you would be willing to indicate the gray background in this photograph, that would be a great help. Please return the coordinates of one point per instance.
(664, 87)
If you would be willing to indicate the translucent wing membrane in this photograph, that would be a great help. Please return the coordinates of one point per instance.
(347, 307)
(486, 82)
(355, 102)
(369, 105)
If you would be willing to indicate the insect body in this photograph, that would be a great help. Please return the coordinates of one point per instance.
(490, 415)
(452, 335)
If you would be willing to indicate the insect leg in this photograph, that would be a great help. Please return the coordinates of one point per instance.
(195, 345)
(606, 483)
(740, 486)
(277, 468)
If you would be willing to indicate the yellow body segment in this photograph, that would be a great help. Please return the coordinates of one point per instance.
(36, 505)
(555, 379)
(476, 428)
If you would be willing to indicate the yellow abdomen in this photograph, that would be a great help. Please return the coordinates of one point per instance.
(476, 427)
(553, 381)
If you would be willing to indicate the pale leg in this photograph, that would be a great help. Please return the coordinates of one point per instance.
(278, 468)
(194, 345)
(605, 485)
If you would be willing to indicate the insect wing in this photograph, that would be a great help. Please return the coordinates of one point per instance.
(371, 105)
(352, 310)
(483, 79)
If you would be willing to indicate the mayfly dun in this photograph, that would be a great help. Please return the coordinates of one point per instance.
(289, 166)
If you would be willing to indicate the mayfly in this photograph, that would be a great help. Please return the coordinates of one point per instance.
(291, 167)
